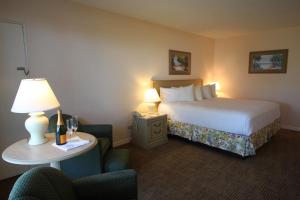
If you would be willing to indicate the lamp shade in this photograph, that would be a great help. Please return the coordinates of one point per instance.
(217, 85)
(34, 95)
(151, 96)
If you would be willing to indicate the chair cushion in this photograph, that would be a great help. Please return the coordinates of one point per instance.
(117, 159)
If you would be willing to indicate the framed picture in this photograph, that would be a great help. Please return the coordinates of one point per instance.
(274, 61)
(179, 62)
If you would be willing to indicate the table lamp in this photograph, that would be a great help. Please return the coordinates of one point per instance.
(217, 85)
(35, 96)
(216, 89)
(151, 97)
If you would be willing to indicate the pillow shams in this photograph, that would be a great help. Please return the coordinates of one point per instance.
(177, 94)
(187, 93)
(198, 93)
(168, 94)
(213, 90)
(207, 93)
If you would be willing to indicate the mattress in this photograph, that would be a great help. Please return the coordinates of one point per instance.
(239, 116)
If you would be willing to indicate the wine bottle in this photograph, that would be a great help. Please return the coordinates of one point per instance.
(61, 137)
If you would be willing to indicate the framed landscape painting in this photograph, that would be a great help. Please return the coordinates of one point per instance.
(274, 61)
(179, 62)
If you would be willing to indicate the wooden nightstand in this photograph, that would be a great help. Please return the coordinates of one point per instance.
(149, 130)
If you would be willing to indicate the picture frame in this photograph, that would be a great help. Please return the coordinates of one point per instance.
(271, 61)
(179, 62)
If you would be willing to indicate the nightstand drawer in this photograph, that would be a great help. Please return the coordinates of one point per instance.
(149, 130)
(156, 129)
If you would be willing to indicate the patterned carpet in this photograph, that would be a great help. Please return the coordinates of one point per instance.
(183, 170)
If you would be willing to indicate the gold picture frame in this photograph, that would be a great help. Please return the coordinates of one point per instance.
(179, 62)
(273, 61)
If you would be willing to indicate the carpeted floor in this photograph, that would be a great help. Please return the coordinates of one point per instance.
(183, 170)
(6, 186)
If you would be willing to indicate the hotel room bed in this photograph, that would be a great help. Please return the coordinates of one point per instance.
(237, 125)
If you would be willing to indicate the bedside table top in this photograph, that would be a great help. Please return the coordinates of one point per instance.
(151, 115)
(24, 154)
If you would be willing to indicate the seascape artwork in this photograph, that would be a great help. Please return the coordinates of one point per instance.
(268, 61)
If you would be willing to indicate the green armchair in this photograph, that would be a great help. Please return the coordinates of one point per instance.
(102, 158)
(46, 183)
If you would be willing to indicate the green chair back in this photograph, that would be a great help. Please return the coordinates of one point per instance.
(43, 184)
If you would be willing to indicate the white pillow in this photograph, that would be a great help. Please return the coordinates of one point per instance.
(198, 93)
(168, 94)
(207, 92)
(187, 93)
(177, 94)
(213, 90)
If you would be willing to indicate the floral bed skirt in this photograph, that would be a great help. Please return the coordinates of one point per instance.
(239, 144)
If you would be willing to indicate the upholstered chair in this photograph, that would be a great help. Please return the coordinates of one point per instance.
(102, 158)
(46, 183)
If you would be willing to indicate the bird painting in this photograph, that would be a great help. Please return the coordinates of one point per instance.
(179, 62)
(178, 66)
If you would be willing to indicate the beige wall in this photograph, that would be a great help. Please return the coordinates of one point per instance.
(99, 64)
(231, 69)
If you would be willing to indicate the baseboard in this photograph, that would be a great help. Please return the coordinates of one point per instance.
(289, 127)
(121, 142)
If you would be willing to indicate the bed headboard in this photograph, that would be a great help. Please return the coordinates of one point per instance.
(157, 84)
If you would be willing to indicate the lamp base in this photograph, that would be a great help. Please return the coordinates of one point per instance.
(37, 125)
(152, 108)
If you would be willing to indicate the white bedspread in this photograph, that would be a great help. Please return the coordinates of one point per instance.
(238, 116)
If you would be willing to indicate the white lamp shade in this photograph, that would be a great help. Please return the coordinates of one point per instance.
(151, 96)
(217, 84)
(34, 95)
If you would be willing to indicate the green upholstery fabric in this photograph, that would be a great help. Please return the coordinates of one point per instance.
(46, 183)
(113, 185)
(98, 130)
(105, 145)
(38, 183)
(92, 162)
(89, 163)
(117, 159)
(86, 164)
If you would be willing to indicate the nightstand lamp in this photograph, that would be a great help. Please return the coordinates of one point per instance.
(217, 85)
(216, 89)
(35, 96)
(151, 97)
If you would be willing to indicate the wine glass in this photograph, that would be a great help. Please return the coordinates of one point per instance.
(74, 123)
(69, 127)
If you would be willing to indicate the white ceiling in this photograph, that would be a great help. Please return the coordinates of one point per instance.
(212, 18)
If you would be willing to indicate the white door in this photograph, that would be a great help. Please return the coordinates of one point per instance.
(12, 55)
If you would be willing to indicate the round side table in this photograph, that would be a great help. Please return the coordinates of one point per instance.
(24, 154)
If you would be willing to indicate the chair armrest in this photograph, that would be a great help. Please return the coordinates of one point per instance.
(103, 130)
(113, 185)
